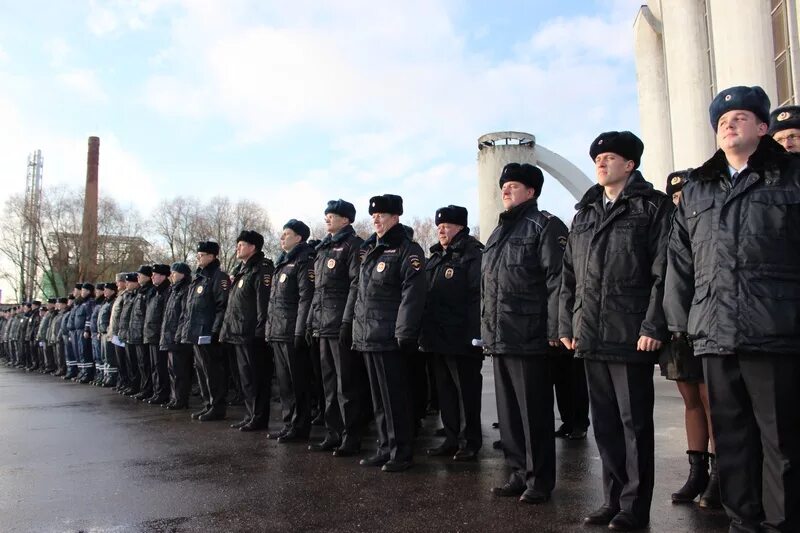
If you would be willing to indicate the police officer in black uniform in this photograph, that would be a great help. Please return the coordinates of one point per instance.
(153, 318)
(611, 315)
(180, 356)
(106, 346)
(344, 376)
(289, 305)
(521, 272)
(128, 382)
(243, 328)
(386, 325)
(784, 126)
(733, 285)
(136, 331)
(450, 323)
(201, 323)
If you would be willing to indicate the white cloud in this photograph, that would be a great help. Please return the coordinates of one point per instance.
(84, 82)
(58, 50)
(3, 55)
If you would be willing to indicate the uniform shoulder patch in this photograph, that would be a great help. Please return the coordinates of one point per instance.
(224, 283)
(267, 279)
(562, 241)
(415, 262)
(311, 274)
(362, 254)
(547, 214)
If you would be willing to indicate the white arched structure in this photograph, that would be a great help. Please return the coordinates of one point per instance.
(496, 150)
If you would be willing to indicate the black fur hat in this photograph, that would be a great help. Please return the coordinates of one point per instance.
(623, 143)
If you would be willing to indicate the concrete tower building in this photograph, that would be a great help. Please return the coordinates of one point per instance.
(687, 51)
(496, 150)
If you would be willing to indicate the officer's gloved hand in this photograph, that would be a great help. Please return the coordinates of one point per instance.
(309, 336)
(346, 334)
(215, 338)
(407, 346)
(300, 342)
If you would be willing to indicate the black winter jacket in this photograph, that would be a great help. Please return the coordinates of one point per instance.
(733, 281)
(520, 280)
(391, 292)
(138, 311)
(291, 294)
(104, 316)
(154, 313)
(98, 303)
(172, 322)
(126, 308)
(613, 278)
(335, 281)
(248, 302)
(452, 317)
(205, 304)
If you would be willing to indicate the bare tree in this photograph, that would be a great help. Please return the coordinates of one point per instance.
(424, 232)
(177, 223)
(364, 227)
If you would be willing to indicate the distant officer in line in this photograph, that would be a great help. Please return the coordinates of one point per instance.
(344, 376)
(47, 350)
(136, 332)
(452, 319)
(94, 335)
(733, 286)
(202, 322)
(54, 338)
(70, 365)
(125, 334)
(81, 323)
(784, 126)
(74, 354)
(611, 315)
(116, 331)
(289, 304)
(153, 317)
(520, 275)
(386, 325)
(180, 356)
(243, 328)
(106, 346)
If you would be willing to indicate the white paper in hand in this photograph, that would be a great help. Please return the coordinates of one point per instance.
(204, 339)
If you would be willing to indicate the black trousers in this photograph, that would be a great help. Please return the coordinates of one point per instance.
(525, 412)
(159, 371)
(132, 354)
(180, 361)
(61, 360)
(254, 360)
(145, 369)
(754, 402)
(123, 377)
(233, 382)
(291, 368)
(344, 379)
(316, 389)
(572, 395)
(419, 383)
(210, 366)
(622, 399)
(459, 383)
(391, 402)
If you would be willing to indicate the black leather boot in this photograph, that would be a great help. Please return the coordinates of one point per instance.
(698, 478)
(711, 498)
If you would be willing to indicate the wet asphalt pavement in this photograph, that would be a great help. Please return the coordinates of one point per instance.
(80, 458)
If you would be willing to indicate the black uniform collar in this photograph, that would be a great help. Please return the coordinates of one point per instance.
(458, 242)
(636, 186)
(302, 247)
(392, 238)
(181, 283)
(337, 237)
(163, 287)
(209, 269)
(716, 168)
(513, 214)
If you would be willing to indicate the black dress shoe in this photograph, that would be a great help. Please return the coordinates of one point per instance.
(534, 496)
(211, 416)
(397, 466)
(562, 432)
(240, 423)
(601, 517)
(293, 436)
(198, 414)
(319, 420)
(346, 451)
(176, 406)
(253, 426)
(374, 460)
(158, 401)
(465, 454)
(625, 521)
(444, 449)
(508, 490)
(497, 445)
(166, 405)
(277, 434)
(495, 425)
(577, 434)
(327, 445)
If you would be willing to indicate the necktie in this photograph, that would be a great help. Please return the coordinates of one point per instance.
(733, 179)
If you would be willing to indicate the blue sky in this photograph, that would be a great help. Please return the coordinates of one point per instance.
(295, 103)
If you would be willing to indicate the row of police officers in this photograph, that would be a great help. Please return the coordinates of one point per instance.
(721, 273)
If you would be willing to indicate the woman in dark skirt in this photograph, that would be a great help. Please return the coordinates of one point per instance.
(678, 363)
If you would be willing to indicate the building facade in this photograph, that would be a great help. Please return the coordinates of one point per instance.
(687, 50)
